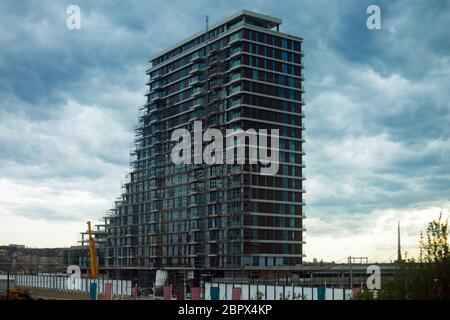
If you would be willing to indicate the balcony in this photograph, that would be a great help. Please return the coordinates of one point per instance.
(234, 77)
(216, 108)
(234, 90)
(157, 75)
(232, 103)
(157, 97)
(235, 51)
(217, 96)
(215, 84)
(234, 38)
(196, 56)
(234, 64)
(196, 68)
(195, 80)
(213, 61)
(197, 92)
(154, 117)
(157, 86)
(197, 103)
(215, 72)
(213, 50)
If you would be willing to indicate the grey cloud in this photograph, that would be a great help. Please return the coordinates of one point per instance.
(377, 102)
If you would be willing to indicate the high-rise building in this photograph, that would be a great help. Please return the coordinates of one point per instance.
(241, 73)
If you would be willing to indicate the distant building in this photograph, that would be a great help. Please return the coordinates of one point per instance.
(20, 259)
(17, 246)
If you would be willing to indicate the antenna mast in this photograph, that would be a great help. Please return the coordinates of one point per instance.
(399, 250)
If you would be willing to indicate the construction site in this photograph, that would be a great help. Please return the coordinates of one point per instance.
(47, 274)
(203, 231)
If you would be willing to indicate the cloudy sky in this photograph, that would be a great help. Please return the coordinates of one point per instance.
(377, 114)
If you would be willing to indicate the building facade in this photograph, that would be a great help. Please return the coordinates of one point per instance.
(241, 73)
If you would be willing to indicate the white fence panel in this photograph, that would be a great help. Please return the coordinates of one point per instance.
(278, 292)
(223, 291)
(270, 293)
(59, 282)
(253, 292)
(288, 293)
(207, 291)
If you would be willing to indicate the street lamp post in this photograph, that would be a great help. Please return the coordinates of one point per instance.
(7, 285)
(8, 272)
(12, 262)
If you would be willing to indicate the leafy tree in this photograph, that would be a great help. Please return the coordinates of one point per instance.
(435, 247)
(364, 294)
(299, 296)
(429, 276)
(259, 295)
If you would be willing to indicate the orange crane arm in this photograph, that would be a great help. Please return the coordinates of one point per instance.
(92, 253)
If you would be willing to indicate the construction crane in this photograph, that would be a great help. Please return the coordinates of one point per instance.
(92, 254)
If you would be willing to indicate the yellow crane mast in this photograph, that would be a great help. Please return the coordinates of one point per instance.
(92, 254)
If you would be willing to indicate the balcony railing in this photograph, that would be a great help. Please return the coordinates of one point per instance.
(234, 90)
(196, 68)
(218, 95)
(234, 51)
(234, 77)
(232, 103)
(197, 103)
(216, 108)
(195, 80)
(216, 84)
(197, 91)
(234, 37)
(157, 86)
(216, 71)
(154, 117)
(156, 75)
(157, 96)
(196, 56)
(234, 64)
(213, 49)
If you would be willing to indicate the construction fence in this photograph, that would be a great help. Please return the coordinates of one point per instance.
(230, 291)
(61, 282)
(209, 291)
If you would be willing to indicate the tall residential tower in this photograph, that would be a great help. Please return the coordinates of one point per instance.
(216, 219)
